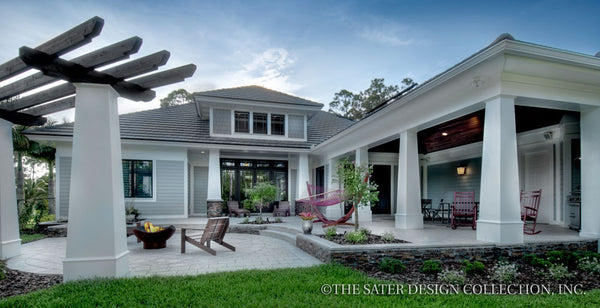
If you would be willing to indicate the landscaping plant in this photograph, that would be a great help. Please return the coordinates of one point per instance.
(392, 265)
(452, 277)
(589, 265)
(431, 267)
(261, 195)
(331, 232)
(475, 268)
(358, 189)
(356, 237)
(388, 237)
(504, 272)
(559, 272)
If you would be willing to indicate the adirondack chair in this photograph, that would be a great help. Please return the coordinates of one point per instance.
(214, 231)
(463, 208)
(283, 209)
(426, 209)
(530, 204)
(234, 208)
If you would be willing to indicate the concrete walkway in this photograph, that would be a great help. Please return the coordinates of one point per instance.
(252, 252)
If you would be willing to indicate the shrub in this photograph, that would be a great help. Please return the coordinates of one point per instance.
(453, 277)
(558, 272)
(388, 237)
(504, 272)
(590, 254)
(536, 261)
(475, 268)
(2, 269)
(365, 231)
(356, 237)
(278, 220)
(331, 232)
(566, 258)
(590, 265)
(259, 220)
(246, 220)
(431, 267)
(392, 265)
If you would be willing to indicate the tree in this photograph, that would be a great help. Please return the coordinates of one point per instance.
(21, 145)
(261, 195)
(356, 106)
(177, 97)
(358, 189)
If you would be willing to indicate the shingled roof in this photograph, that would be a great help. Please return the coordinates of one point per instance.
(182, 124)
(256, 93)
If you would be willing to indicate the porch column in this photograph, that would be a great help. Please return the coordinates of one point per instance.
(500, 211)
(362, 159)
(96, 240)
(213, 196)
(333, 211)
(303, 176)
(10, 241)
(408, 209)
(590, 169)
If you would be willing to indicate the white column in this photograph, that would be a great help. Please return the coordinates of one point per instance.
(500, 211)
(333, 211)
(303, 176)
(362, 159)
(214, 176)
(10, 244)
(590, 169)
(96, 241)
(408, 209)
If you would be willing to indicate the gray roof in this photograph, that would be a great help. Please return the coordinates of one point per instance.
(260, 94)
(182, 124)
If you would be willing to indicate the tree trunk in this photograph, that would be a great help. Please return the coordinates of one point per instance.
(51, 200)
(20, 178)
(355, 218)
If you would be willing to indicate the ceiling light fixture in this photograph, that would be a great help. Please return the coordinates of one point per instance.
(444, 134)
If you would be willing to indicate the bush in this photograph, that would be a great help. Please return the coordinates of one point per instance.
(392, 265)
(331, 232)
(589, 265)
(431, 267)
(246, 220)
(365, 231)
(453, 277)
(536, 261)
(475, 268)
(567, 258)
(2, 269)
(278, 220)
(504, 272)
(356, 237)
(590, 254)
(388, 237)
(259, 220)
(558, 272)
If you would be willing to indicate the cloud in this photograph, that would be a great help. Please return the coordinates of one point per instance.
(388, 33)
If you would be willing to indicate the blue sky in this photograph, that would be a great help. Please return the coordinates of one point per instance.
(311, 49)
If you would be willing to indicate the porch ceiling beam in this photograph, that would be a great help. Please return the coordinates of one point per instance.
(69, 40)
(166, 77)
(21, 118)
(139, 66)
(56, 106)
(104, 56)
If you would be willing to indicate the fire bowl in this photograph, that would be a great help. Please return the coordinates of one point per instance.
(154, 240)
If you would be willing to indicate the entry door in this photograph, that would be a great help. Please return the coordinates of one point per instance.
(381, 177)
(539, 173)
(320, 178)
(200, 190)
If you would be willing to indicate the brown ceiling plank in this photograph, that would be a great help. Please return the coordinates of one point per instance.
(63, 43)
(139, 66)
(104, 56)
(56, 106)
(166, 77)
(21, 118)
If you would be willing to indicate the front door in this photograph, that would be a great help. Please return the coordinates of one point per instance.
(381, 177)
(539, 174)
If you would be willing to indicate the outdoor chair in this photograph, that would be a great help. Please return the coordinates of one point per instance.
(530, 204)
(426, 208)
(214, 231)
(282, 209)
(234, 208)
(462, 209)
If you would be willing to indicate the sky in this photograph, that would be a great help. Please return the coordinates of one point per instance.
(311, 49)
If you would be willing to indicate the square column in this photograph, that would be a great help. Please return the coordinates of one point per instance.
(96, 240)
(333, 211)
(500, 210)
(303, 176)
(214, 201)
(408, 209)
(362, 159)
(10, 241)
(590, 169)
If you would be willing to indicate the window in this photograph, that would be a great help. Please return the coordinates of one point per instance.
(259, 123)
(242, 122)
(278, 124)
(137, 178)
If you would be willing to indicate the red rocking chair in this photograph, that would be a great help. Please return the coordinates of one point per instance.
(530, 204)
(462, 208)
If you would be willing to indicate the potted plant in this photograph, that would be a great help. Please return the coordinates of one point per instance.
(261, 195)
(307, 221)
(131, 214)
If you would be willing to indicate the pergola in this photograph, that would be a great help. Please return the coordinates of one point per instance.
(96, 241)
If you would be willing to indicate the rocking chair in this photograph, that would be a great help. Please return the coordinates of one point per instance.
(463, 208)
(530, 204)
(214, 231)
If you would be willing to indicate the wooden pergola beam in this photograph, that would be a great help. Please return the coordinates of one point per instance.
(104, 56)
(56, 106)
(166, 77)
(72, 39)
(21, 118)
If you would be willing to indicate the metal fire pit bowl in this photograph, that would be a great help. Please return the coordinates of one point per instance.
(154, 240)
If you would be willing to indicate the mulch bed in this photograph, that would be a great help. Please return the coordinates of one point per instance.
(371, 239)
(527, 275)
(17, 282)
(264, 222)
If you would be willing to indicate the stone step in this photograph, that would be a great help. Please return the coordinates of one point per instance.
(284, 229)
(286, 236)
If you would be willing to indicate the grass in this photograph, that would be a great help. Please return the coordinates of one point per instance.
(257, 288)
(26, 238)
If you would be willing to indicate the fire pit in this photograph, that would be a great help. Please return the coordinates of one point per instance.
(154, 237)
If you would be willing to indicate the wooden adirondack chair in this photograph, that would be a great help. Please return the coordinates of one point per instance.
(234, 208)
(214, 231)
(283, 209)
(463, 208)
(530, 204)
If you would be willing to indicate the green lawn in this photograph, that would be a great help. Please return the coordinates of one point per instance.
(270, 288)
(26, 238)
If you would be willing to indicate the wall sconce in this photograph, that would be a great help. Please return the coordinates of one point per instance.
(461, 170)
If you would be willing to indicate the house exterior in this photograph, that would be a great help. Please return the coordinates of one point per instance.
(515, 115)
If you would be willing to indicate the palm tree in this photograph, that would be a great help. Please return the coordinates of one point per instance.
(21, 146)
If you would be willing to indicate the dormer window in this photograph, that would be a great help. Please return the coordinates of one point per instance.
(278, 124)
(259, 123)
(242, 122)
